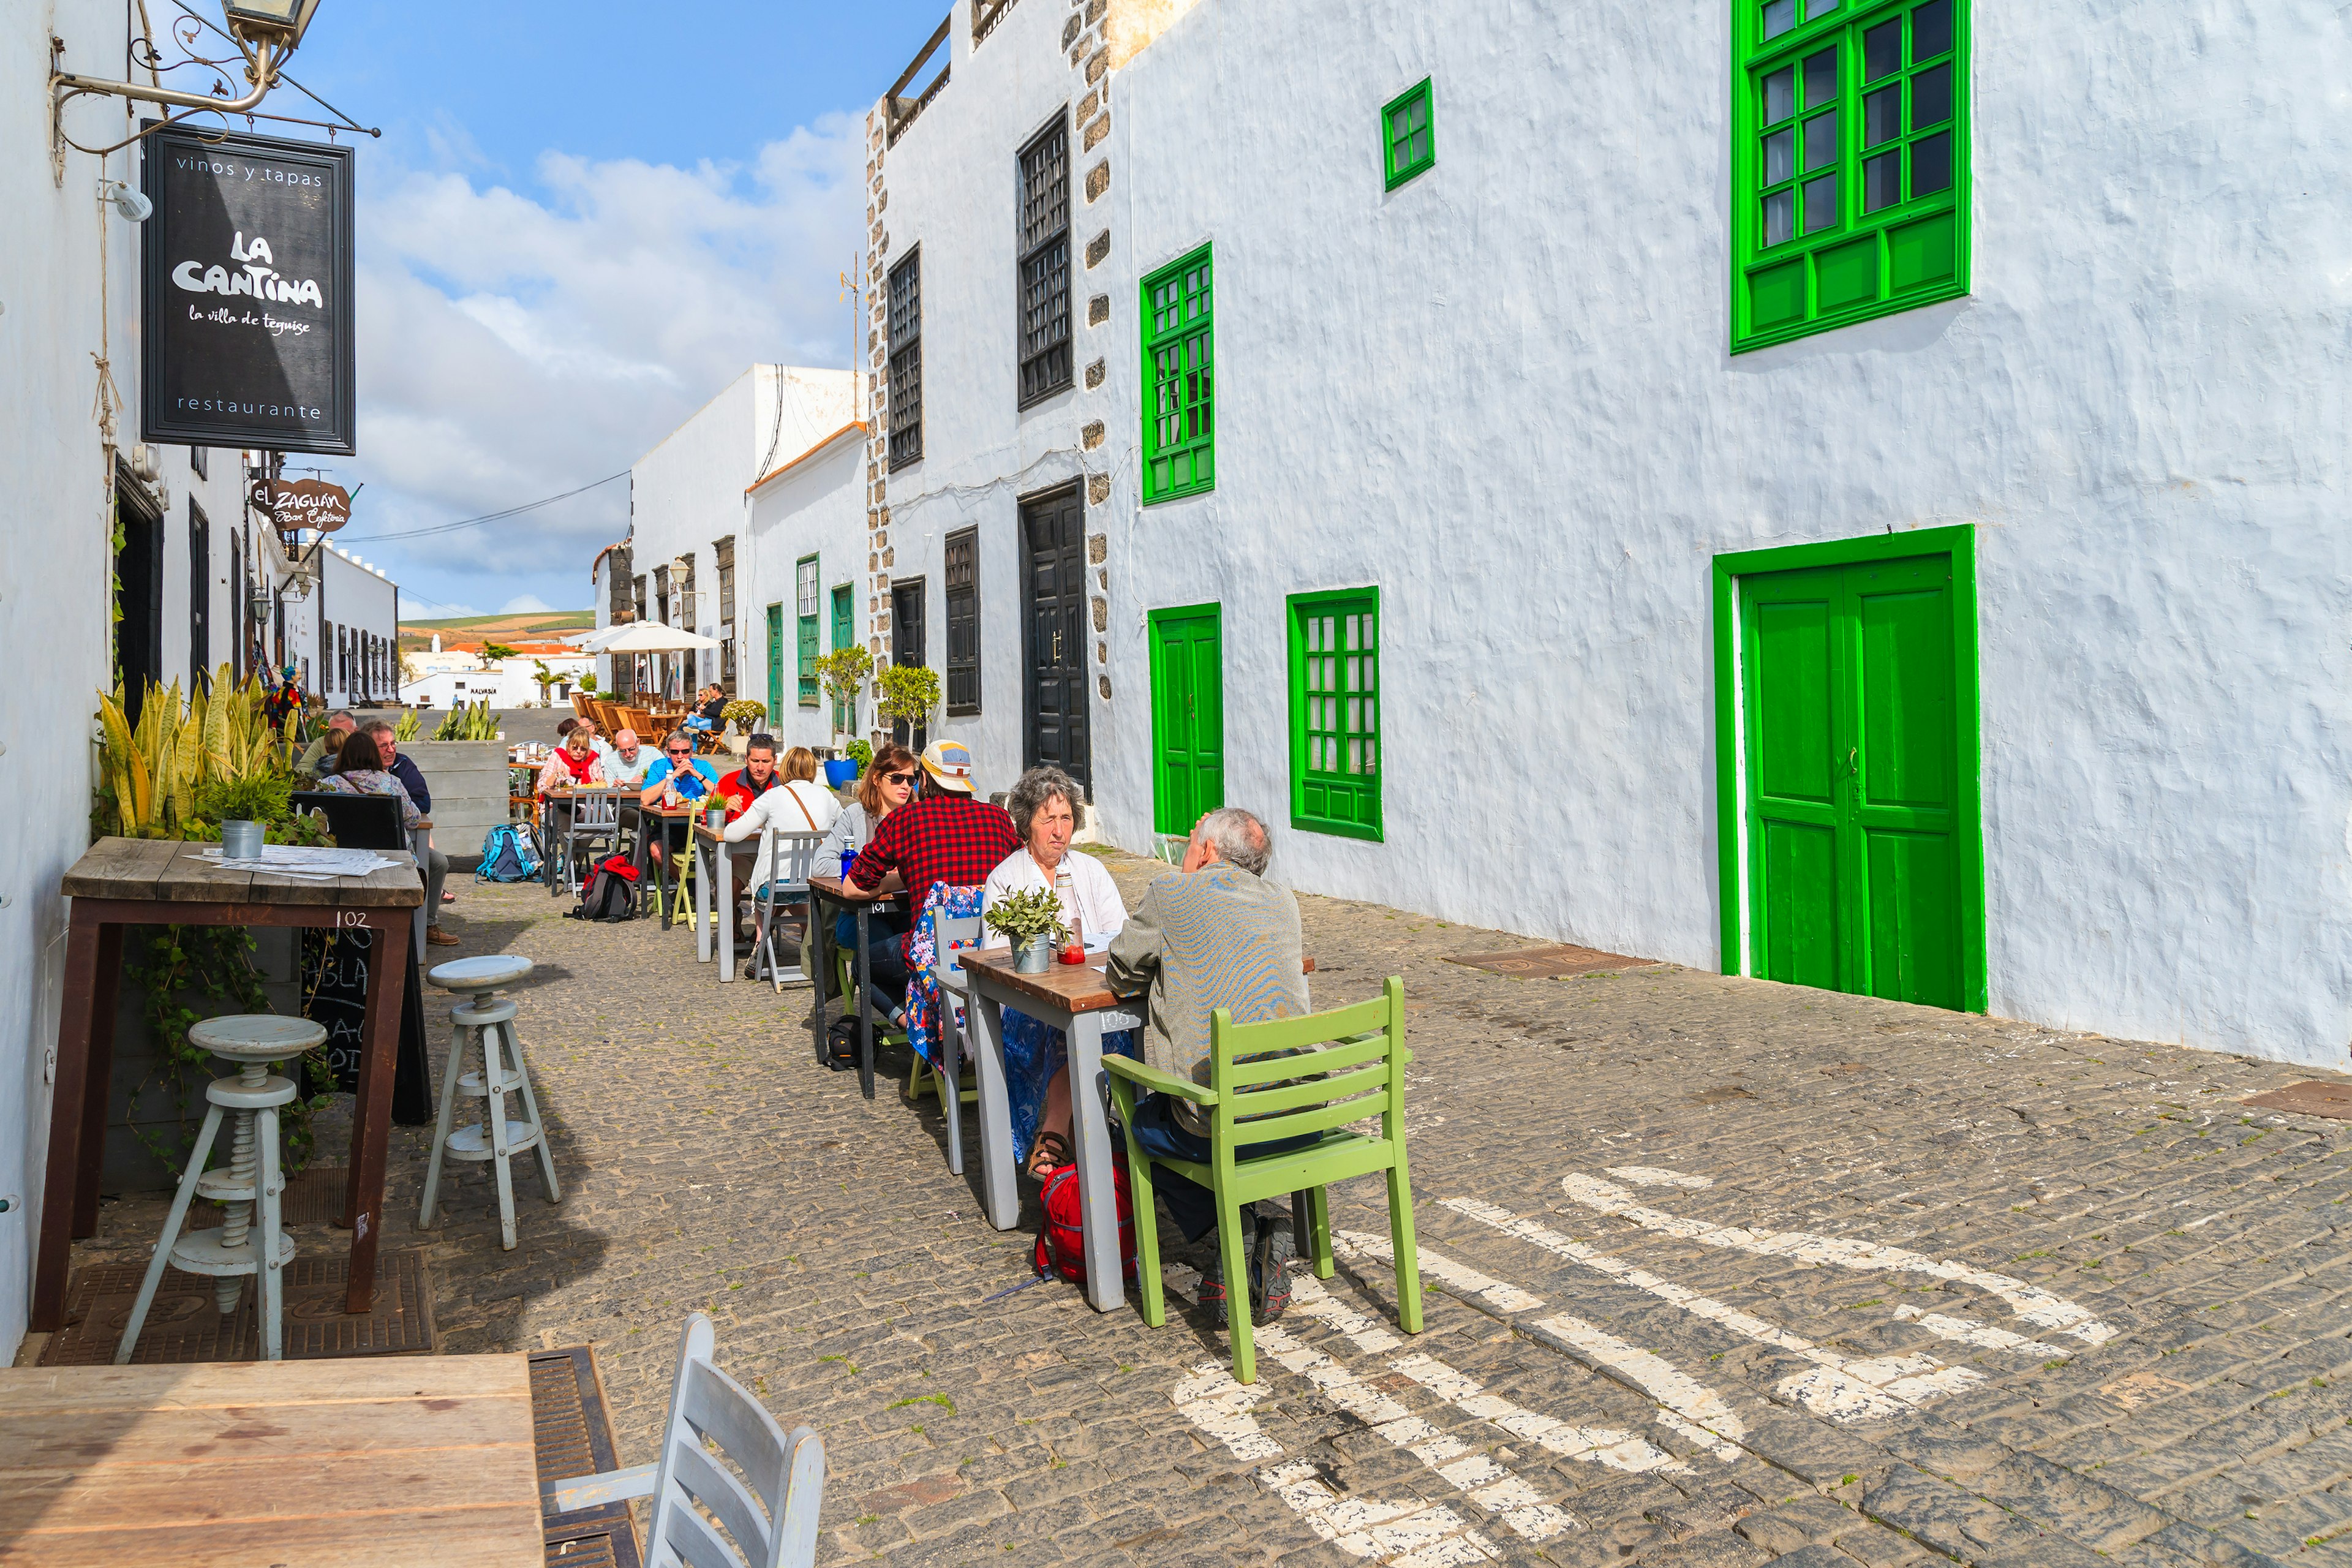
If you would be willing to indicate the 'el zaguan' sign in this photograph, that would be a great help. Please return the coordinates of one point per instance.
(247, 306)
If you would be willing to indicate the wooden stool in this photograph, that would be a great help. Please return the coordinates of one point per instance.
(229, 1251)
(486, 1025)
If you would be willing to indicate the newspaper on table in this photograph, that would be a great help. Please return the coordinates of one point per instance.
(310, 864)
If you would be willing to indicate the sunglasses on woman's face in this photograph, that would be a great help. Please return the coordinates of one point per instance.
(903, 781)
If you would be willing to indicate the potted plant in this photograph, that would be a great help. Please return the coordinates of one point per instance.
(742, 716)
(844, 673)
(1032, 922)
(910, 693)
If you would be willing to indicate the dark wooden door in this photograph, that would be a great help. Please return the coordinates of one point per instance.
(1053, 636)
(906, 648)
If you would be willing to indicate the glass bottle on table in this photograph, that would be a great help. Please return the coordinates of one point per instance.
(1066, 893)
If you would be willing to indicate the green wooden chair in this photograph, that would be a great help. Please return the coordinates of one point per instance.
(1282, 1079)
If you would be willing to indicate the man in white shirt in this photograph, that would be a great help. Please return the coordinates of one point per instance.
(626, 759)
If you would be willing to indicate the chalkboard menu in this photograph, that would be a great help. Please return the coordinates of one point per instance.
(247, 302)
(335, 965)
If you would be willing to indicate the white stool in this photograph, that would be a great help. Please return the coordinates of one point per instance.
(486, 1024)
(229, 1251)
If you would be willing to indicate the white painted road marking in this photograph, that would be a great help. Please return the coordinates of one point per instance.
(1841, 1389)
(1983, 1336)
(1651, 1177)
(2030, 1302)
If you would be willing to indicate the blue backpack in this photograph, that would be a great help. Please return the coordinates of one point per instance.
(505, 858)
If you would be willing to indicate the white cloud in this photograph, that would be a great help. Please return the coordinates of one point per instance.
(413, 608)
(524, 604)
(511, 347)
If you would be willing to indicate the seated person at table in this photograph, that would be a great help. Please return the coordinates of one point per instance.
(362, 771)
(949, 835)
(1216, 934)
(339, 724)
(792, 803)
(677, 778)
(888, 782)
(411, 777)
(1044, 806)
(626, 761)
(710, 710)
(755, 778)
(575, 764)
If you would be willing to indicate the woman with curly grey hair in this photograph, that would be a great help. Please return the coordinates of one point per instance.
(1044, 806)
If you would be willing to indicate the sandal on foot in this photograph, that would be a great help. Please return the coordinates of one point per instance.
(1050, 1153)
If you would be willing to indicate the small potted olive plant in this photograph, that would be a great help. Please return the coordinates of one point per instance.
(1032, 922)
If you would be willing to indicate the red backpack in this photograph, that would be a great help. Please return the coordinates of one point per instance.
(1061, 1244)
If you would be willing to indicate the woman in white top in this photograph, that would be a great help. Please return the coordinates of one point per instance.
(1044, 806)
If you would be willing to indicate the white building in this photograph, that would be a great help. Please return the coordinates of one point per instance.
(1876, 552)
(357, 612)
(688, 503)
(806, 547)
(76, 471)
(445, 679)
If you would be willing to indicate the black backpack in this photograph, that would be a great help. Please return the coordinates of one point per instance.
(610, 893)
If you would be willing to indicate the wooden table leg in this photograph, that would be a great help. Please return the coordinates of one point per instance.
(372, 1116)
(1000, 1198)
(1090, 1129)
(80, 1007)
(98, 1086)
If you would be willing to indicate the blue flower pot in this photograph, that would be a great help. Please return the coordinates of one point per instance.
(840, 772)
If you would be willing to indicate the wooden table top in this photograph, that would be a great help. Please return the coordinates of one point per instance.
(169, 871)
(369, 1462)
(831, 888)
(1067, 987)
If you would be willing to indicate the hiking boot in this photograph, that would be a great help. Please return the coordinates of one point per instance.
(1270, 1270)
(1212, 1293)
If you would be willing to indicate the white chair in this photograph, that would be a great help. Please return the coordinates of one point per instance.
(486, 1025)
(595, 824)
(956, 935)
(249, 1182)
(791, 857)
(773, 1519)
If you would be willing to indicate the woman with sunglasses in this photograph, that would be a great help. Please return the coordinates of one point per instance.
(889, 784)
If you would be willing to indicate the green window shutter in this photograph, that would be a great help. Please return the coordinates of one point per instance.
(806, 587)
(1335, 712)
(775, 660)
(844, 632)
(1409, 134)
(1850, 163)
(1178, 380)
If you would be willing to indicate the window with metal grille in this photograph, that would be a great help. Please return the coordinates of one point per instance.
(804, 605)
(1045, 263)
(1180, 403)
(1335, 712)
(905, 330)
(963, 621)
(1409, 134)
(1850, 160)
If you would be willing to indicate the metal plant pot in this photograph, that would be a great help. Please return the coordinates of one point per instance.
(1036, 957)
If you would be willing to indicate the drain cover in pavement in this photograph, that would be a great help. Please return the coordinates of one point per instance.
(185, 1325)
(1550, 962)
(2317, 1097)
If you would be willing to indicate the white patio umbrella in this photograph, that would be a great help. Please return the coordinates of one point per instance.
(648, 636)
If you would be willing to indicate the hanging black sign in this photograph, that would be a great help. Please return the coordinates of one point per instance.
(248, 293)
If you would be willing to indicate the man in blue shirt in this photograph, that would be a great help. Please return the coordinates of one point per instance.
(677, 777)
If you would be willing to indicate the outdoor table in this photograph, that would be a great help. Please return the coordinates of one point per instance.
(136, 881)
(665, 870)
(382, 1461)
(1076, 999)
(825, 891)
(718, 874)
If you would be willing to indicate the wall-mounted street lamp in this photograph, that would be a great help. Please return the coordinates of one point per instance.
(265, 32)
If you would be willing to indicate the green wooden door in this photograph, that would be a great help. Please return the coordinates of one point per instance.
(845, 721)
(1188, 716)
(775, 661)
(1853, 779)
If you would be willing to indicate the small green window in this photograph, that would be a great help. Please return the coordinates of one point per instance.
(1407, 134)
(1850, 163)
(1179, 430)
(1335, 712)
(804, 590)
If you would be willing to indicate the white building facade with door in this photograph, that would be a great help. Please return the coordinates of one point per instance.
(1878, 556)
(805, 542)
(78, 475)
(684, 566)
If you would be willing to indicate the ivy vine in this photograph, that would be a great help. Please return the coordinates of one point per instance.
(191, 973)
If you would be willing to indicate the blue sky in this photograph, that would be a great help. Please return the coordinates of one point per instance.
(576, 228)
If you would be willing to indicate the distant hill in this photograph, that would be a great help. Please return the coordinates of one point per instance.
(538, 626)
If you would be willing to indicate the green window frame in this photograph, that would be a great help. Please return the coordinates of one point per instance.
(1180, 434)
(804, 573)
(1335, 712)
(1850, 163)
(1409, 133)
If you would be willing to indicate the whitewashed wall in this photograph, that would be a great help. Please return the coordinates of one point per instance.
(689, 491)
(64, 255)
(353, 597)
(1502, 393)
(953, 182)
(816, 506)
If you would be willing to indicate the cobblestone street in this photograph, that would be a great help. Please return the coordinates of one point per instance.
(1719, 1273)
